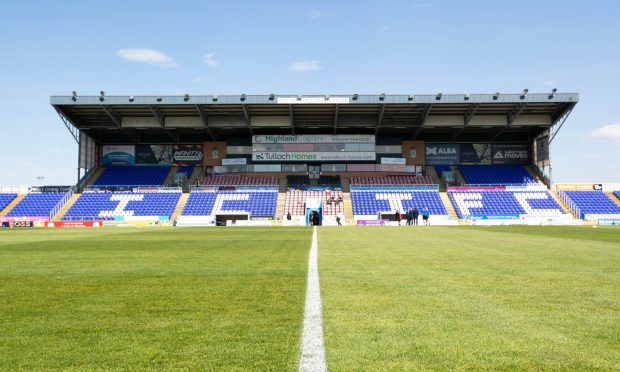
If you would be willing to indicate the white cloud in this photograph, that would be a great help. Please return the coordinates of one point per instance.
(384, 28)
(210, 60)
(145, 55)
(304, 66)
(197, 80)
(609, 133)
(419, 4)
(314, 14)
(549, 83)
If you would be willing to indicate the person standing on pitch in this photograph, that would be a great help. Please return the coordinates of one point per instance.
(415, 213)
(409, 217)
(398, 216)
(425, 215)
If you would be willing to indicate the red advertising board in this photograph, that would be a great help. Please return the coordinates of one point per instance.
(74, 224)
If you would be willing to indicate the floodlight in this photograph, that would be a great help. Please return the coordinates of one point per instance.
(159, 99)
(186, 97)
(102, 95)
(439, 95)
(131, 98)
(552, 93)
(411, 97)
(327, 97)
(242, 97)
(496, 95)
(466, 98)
(355, 96)
(272, 97)
(215, 98)
(75, 96)
(381, 96)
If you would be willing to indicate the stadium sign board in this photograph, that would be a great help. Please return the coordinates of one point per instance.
(153, 154)
(476, 153)
(442, 154)
(313, 156)
(510, 153)
(314, 138)
(118, 155)
(393, 161)
(186, 155)
(234, 161)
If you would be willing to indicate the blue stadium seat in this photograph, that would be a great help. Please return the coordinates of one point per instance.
(373, 202)
(504, 203)
(6, 199)
(256, 203)
(132, 176)
(39, 204)
(592, 202)
(106, 205)
(496, 175)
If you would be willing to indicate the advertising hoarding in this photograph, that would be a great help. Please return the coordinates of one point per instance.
(507, 153)
(153, 154)
(314, 138)
(118, 155)
(313, 156)
(442, 154)
(476, 153)
(187, 155)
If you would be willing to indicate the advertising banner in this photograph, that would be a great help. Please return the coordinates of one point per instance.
(118, 155)
(183, 155)
(314, 156)
(314, 138)
(442, 154)
(394, 161)
(510, 153)
(476, 153)
(17, 224)
(542, 148)
(234, 161)
(153, 154)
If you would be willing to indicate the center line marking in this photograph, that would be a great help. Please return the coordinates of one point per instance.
(312, 347)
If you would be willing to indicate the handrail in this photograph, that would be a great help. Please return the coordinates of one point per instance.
(61, 203)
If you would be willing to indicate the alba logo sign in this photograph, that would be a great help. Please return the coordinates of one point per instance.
(437, 154)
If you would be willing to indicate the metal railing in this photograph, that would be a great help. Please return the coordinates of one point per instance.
(61, 203)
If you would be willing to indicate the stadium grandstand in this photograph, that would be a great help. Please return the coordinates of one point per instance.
(264, 159)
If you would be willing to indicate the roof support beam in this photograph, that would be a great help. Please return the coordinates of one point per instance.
(380, 119)
(336, 119)
(425, 115)
(470, 114)
(247, 119)
(116, 118)
(562, 120)
(205, 122)
(514, 114)
(70, 123)
(160, 118)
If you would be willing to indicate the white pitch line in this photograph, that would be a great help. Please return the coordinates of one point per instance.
(312, 348)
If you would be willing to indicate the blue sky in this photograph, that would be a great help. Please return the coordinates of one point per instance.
(303, 47)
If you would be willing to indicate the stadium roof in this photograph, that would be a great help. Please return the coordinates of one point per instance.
(437, 117)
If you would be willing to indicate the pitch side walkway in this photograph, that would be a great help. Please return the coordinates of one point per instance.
(312, 348)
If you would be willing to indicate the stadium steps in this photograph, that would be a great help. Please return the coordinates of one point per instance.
(94, 177)
(458, 176)
(535, 175)
(347, 206)
(280, 205)
(448, 205)
(180, 205)
(170, 177)
(65, 208)
(12, 204)
(557, 198)
(283, 186)
(345, 184)
(196, 174)
(613, 197)
(431, 172)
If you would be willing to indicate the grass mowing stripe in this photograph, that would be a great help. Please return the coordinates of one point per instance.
(312, 348)
(453, 298)
(195, 299)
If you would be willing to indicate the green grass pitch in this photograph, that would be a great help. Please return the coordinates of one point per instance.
(502, 298)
